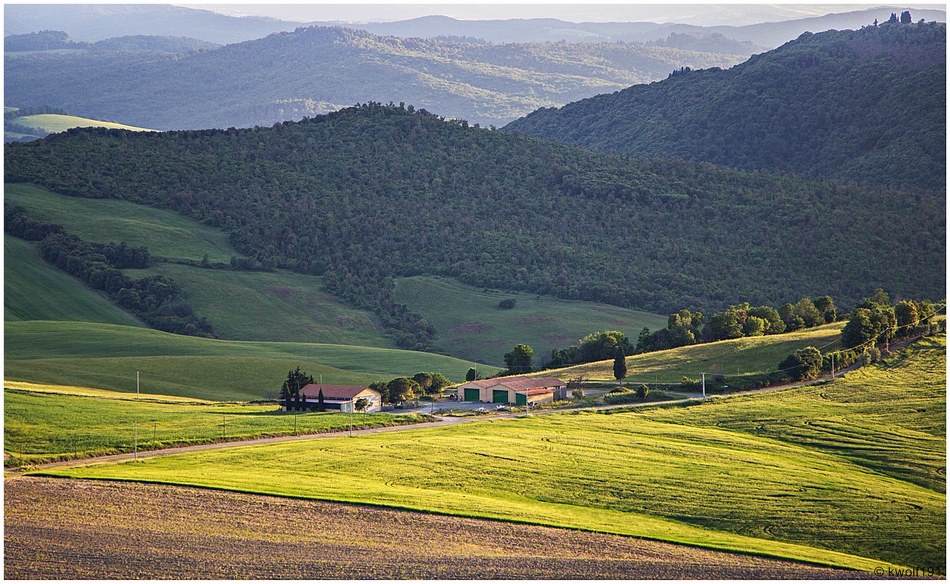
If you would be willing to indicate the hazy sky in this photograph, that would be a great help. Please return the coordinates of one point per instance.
(701, 13)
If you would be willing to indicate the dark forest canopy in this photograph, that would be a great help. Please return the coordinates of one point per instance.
(866, 105)
(374, 192)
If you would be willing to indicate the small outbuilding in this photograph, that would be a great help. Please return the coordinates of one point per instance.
(517, 390)
(338, 397)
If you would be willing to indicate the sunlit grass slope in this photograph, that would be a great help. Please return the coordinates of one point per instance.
(722, 474)
(750, 355)
(259, 306)
(107, 357)
(166, 234)
(45, 424)
(470, 324)
(270, 306)
(53, 123)
(34, 290)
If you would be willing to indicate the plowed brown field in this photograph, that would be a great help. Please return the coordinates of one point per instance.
(69, 529)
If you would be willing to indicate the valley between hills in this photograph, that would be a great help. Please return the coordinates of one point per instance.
(736, 266)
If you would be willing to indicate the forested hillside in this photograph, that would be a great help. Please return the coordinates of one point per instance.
(867, 105)
(373, 192)
(316, 70)
(50, 40)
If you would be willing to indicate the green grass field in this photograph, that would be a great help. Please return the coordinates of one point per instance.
(735, 357)
(470, 324)
(270, 306)
(778, 474)
(107, 357)
(165, 233)
(53, 123)
(33, 290)
(41, 426)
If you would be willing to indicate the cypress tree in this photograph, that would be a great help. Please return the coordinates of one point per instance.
(620, 366)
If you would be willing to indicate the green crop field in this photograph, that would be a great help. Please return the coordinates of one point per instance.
(470, 325)
(33, 290)
(734, 357)
(777, 474)
(53, 123)
(47, 425)
(107, 357)
(270, 306)
(165, 233)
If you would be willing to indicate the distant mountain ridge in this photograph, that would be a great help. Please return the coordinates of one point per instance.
(314, 70)
(96, 22)
(867, 105)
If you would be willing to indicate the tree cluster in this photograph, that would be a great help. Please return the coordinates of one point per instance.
(686, 328)
(403, 389)
(875, 321)
(597, 346)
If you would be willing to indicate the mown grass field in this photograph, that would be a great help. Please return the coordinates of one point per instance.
(107, 357)
(48, 423)
(734, 357)
(765, 474)
(270, 306)
(32, 290)
(166, 234)
(53, 123)
(470, 324)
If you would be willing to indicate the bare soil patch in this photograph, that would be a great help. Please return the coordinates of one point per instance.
(69, 529)
(470, 328)
(281, 291)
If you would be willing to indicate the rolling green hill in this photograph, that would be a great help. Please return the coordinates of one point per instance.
(53, 123)
(372, 193)
(165, 233)
(270, 306)
(849, 473)
(33, 290)
(319, 69)
(469, 323)
(867, 105)
(107, 357)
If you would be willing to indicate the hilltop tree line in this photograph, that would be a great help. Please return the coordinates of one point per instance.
(683, 328)
(157, 300)
(375, 192)
(864, 105)
(50, 40)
